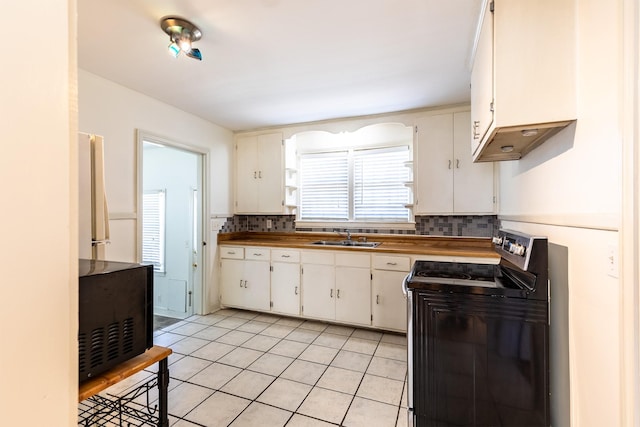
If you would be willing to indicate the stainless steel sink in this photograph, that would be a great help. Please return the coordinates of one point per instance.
(346, 243)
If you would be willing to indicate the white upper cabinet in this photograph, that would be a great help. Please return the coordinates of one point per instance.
(523, 80)
(260, 174)
(446, 181)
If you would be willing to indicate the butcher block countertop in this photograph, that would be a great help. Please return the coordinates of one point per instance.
(476, 247)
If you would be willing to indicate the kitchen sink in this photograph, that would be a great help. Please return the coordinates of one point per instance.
(346, 243)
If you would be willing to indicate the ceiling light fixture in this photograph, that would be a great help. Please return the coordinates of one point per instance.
(182, 34)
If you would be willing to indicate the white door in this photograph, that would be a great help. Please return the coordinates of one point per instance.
(256, 285)
(389, 305)
(353, 295)
(318, 291)
(434, 168)
(472, 182)
(285, 288)
(172, 232)
(232, 282)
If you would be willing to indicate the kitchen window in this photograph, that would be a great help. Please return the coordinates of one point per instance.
(153, 229)
(356, 185)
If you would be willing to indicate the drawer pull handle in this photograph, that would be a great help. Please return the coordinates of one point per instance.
(255, 254)
(331, 294)
(296, 291)
(245, 284)
(240, 282)
(392, 263)
(231, 253)
(377, 299)
(286, 256)
(338, 293)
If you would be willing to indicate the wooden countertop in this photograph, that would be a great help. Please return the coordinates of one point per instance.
(476, 247)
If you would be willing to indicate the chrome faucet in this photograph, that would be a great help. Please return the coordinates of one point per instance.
(346, 230)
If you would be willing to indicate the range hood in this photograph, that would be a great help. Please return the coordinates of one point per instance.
(513, 142)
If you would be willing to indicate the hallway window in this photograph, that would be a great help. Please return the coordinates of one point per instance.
(153, 229)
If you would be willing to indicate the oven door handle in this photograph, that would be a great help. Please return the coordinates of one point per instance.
(405, 288)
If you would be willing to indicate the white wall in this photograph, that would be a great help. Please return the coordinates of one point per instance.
(115, 112)
(572, 184)
(38, 219)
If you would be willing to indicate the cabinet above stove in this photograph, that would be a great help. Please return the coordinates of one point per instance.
(523, 80)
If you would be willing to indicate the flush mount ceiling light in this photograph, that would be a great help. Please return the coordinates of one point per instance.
(182, 34)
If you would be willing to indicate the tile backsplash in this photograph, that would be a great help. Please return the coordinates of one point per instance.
(434, 225)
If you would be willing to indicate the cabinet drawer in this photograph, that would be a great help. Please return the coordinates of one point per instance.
(393, 263)
(285, 255)
(231, 252)
(353, 260)
(317, 257)
(257, 253)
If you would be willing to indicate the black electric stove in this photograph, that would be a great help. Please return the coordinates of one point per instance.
(478, 338)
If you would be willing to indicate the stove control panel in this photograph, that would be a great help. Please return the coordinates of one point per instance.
(518, 247)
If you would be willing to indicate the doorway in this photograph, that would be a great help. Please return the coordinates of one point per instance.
(171, 227)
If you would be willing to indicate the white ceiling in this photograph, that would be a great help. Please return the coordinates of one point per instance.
(276, 62)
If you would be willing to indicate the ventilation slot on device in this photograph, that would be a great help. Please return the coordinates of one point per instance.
(96, 347)
(127, 335)
(113, 341)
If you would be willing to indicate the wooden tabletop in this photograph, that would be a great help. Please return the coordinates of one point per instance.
(122, 371)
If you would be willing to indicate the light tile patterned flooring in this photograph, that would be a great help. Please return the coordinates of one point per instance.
(241, 368)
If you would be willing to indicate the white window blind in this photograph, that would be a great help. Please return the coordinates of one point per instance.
(324, 186)
(153, 229)
(355, 185)
(379, 186)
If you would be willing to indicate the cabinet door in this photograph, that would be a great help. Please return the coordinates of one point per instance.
(318, 292)
(472, 182)
(247, 174)
(389, 305)
(270, 173)
(482, 82)
(232, 282)
(353, 295)
(257, 293)
(434, 166)
(285, 288)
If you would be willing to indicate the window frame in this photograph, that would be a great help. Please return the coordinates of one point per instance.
(352, 222)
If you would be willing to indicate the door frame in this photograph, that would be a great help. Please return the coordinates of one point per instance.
(200, 293)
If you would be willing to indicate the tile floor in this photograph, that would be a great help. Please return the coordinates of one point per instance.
(241, 368)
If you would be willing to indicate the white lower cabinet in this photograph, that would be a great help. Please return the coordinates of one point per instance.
(347, 287)
(389, 305)
(318, 284)
(353, 288)
(337, 286)
(285, 282)
(245, 278)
